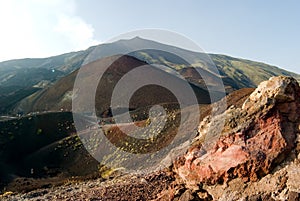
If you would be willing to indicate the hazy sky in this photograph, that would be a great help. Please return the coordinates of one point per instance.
(266, 31)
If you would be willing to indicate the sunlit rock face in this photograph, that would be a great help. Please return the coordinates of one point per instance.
(256, 137)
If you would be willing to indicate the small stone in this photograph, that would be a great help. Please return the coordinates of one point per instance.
(293, 196)
(186, 196)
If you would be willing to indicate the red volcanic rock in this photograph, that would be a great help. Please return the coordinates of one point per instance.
(255, 137)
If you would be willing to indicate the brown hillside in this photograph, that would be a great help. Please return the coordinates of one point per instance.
(59, 96)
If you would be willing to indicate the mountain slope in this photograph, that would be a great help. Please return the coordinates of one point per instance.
(248, 73)
(256, 156)
(59, 96)
(47, 143)
(32, 75)
(21, 78)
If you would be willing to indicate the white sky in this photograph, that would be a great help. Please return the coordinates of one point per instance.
(42, 28)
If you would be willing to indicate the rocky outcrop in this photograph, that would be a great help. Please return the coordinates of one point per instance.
(255, 138)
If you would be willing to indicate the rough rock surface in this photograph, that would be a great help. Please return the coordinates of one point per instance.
(255, 139)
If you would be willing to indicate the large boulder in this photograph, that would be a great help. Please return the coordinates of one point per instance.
(254, 139)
